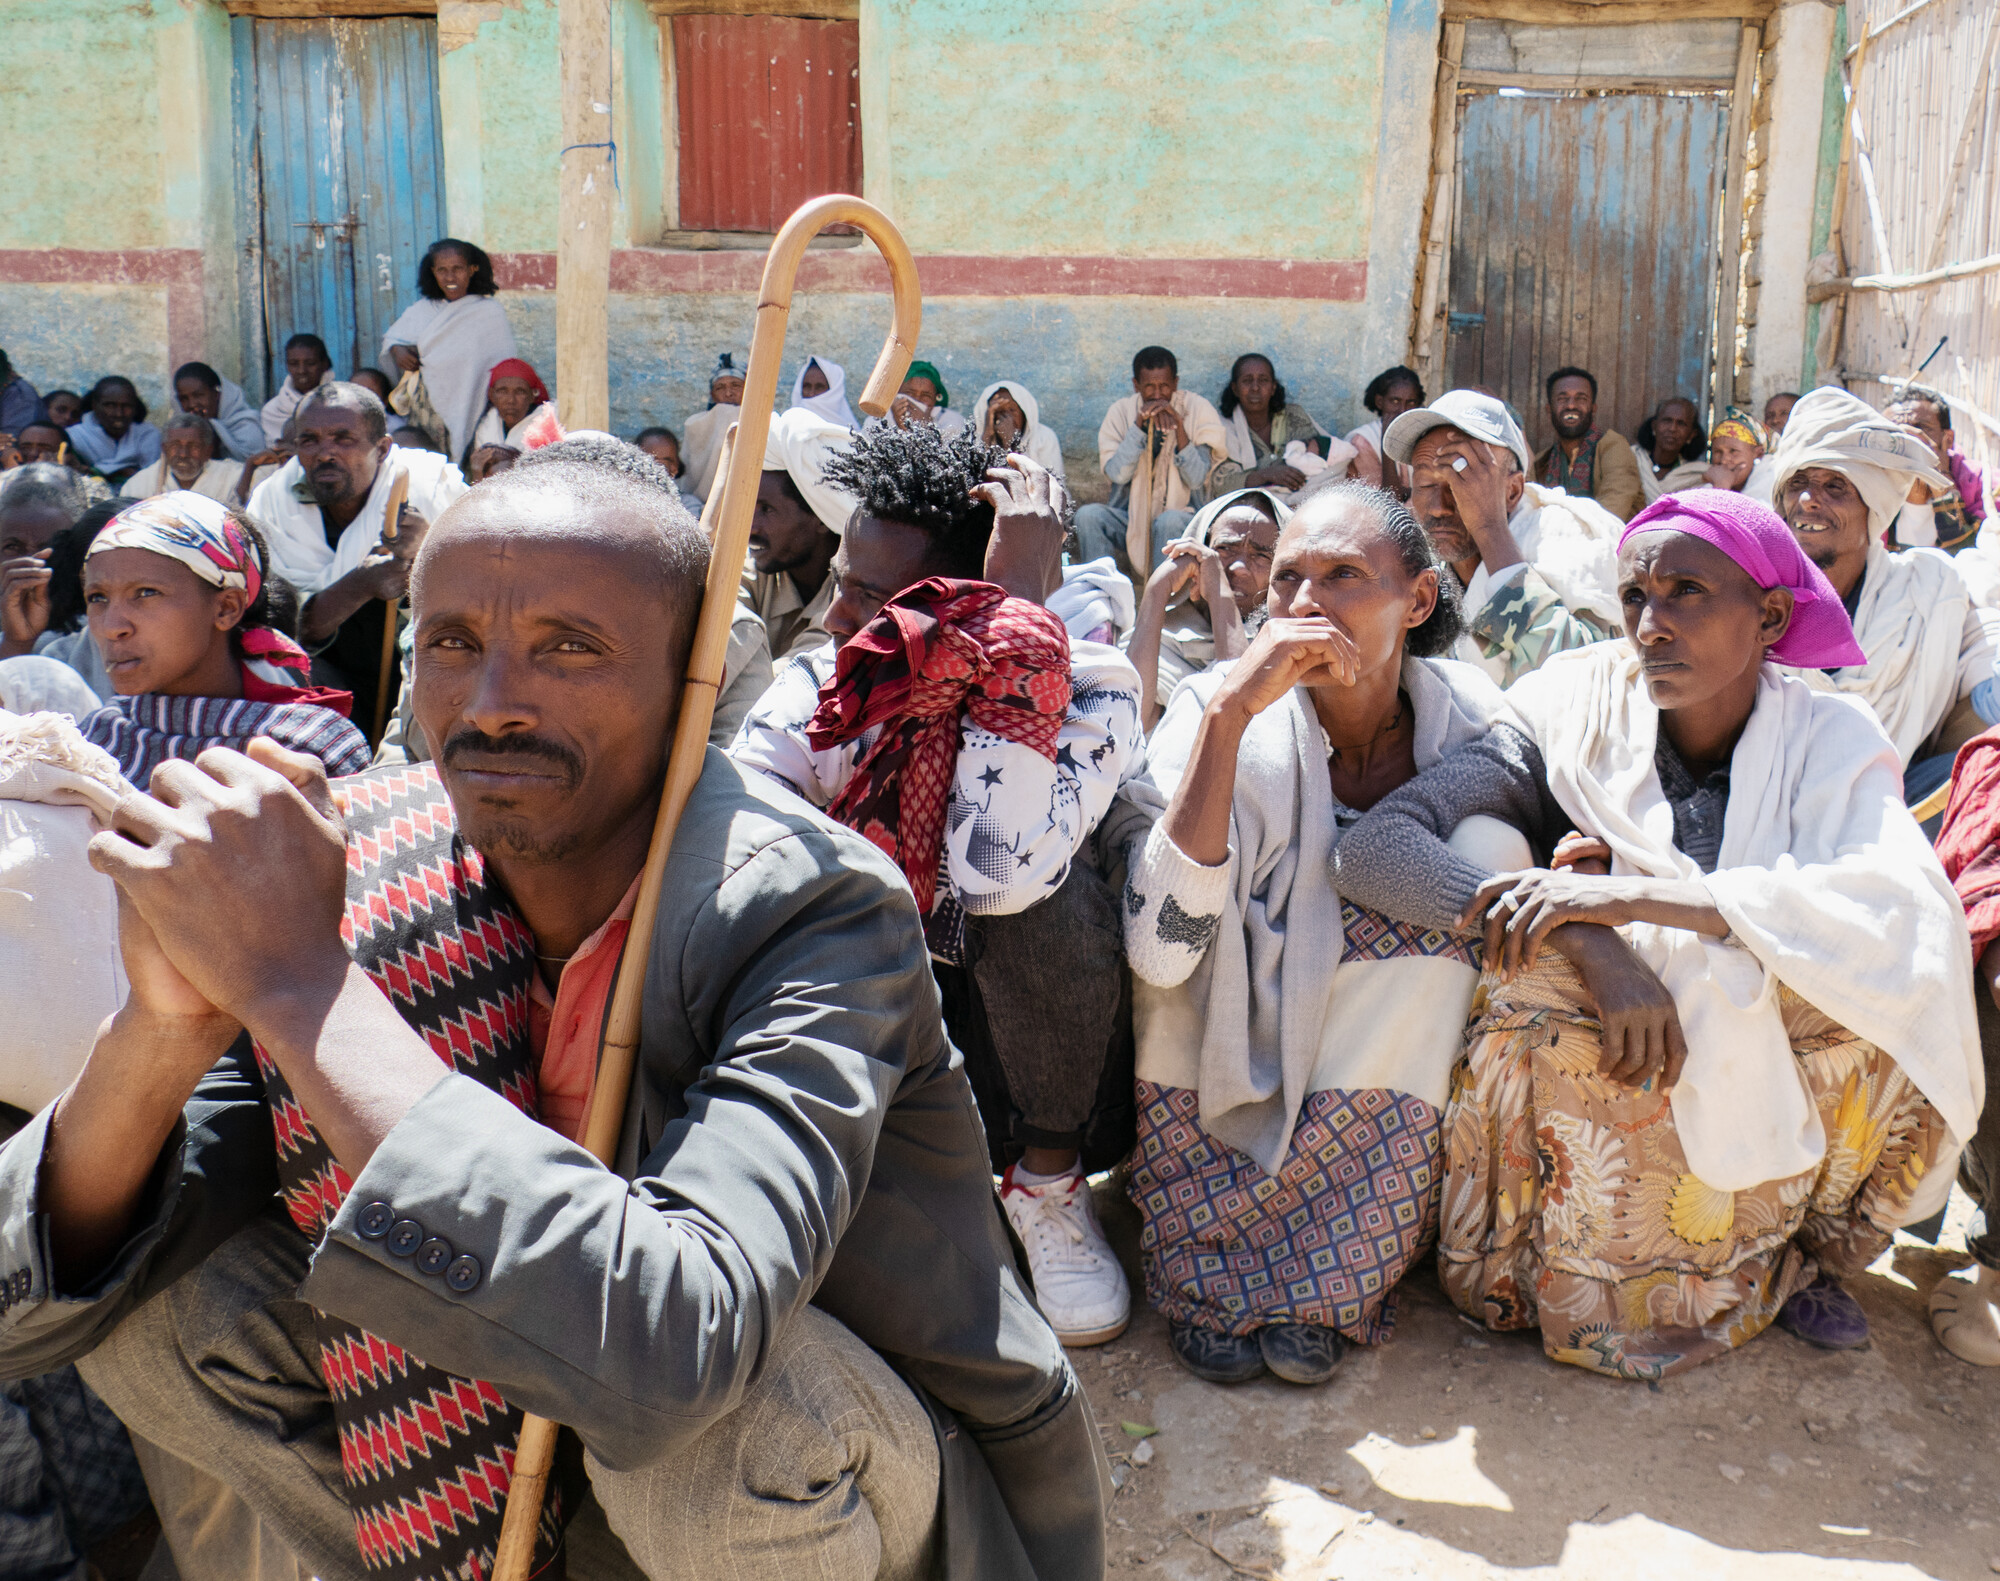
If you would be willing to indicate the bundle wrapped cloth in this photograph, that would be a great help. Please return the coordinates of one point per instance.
(58, 916)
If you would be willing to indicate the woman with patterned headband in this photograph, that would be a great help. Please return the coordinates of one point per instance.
(195, 636)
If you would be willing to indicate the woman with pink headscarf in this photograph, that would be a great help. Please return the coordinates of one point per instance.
(1724, 1044)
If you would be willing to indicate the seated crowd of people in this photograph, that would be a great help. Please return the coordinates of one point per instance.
(1581, 867)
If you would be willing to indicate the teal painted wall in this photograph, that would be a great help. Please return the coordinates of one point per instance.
(1155, 128)
(1173, 129)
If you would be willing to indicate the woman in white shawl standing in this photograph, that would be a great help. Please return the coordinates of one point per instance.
(453, 334)
(1711, 1075)
(1290, 1091)
(1006, 414)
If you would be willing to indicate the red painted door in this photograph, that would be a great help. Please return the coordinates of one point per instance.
(770, 115)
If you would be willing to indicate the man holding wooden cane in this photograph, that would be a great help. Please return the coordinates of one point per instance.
(326, 514)
(787, 1330)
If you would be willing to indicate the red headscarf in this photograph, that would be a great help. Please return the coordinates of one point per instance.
(515, 368)
(937, 649)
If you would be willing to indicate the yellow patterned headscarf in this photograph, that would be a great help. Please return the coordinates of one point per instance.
(1743, 428)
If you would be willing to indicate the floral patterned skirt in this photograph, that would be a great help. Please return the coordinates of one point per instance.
(1230, 1248)
(1568, 1201)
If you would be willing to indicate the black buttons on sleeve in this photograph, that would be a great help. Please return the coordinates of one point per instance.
(405, 1236)
(433, 1255)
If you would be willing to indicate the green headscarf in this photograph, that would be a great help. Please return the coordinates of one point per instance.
(928, 370)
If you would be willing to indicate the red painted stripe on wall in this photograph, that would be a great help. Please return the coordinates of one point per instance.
(647, 270)
(179, 269)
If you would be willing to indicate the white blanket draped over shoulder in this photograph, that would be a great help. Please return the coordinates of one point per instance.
(457, 343)
(1927, 643)
(299, 550)
(1274, 1010)
(1827, 884)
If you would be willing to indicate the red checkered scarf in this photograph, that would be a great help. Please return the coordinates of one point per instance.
(937, 651)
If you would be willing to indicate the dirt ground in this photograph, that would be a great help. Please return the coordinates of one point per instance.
(1459, 1455)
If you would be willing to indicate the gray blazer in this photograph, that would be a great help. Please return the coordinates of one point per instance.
(800, 1130)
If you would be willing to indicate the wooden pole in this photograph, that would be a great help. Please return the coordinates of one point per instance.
(738, 488)
(1728, 307)
(1904, 282)
(583, 240)
(1442, 198)
(392, 521)
(1975, 117)
(1839, 218)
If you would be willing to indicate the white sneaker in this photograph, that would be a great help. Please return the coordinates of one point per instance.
(1078, 1283)
(1965, 1316)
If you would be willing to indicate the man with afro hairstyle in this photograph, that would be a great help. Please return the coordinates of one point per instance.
(953, 720)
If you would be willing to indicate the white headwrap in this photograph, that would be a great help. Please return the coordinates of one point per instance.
(1841, 432)
(832, 403)
(799, 443)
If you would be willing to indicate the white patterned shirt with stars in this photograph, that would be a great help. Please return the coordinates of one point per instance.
(1015, 818)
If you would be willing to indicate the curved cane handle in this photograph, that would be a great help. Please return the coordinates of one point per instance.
(743, 469)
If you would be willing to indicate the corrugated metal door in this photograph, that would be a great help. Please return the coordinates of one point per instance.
(343, 170)
(1587, 234)
(770, 115)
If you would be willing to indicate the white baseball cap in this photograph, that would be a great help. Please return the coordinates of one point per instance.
(1481, 416)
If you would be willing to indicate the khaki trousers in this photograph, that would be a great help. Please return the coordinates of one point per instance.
(828, 1470)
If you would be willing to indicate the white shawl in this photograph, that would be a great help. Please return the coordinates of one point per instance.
(292, 526)
(1926, 644)
(1249, 1028)
(701, 448)
(217, 481)
(1038, 442)
(493, 429)
(1827, 884)
(799, 442)
(831, 403)
(457, 344)
(236, 423)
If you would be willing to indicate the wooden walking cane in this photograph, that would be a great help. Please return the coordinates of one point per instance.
(399, 490)
(744, 466)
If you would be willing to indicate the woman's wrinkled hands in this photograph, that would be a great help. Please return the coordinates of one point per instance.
(1519, 910)
(1642, 1036)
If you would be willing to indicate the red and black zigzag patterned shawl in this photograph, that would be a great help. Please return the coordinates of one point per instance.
(428, 1456)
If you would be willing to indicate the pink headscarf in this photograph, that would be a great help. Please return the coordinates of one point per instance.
(1820, 636)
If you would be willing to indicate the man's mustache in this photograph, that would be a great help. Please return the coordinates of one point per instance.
(461, 744)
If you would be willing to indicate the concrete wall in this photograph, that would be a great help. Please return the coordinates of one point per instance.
(119, 258)
(1077, 180)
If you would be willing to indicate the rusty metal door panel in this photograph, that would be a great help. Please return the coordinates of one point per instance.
(338, 121)
(769, 114)
(1586, 233)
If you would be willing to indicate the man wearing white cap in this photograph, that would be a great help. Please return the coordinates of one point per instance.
(795, 532)
(1539, 567)
(1841, 474)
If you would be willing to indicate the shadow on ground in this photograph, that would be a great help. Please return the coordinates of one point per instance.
(1455, 1453)
(1451, 1454)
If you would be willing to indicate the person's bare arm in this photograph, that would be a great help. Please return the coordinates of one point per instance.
(1024, 555)
(1175, 570)
(1988, 969)
(1197, 819)
(405, 358)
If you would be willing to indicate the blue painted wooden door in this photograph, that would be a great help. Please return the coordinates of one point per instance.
(342, 176)
(1587, 232)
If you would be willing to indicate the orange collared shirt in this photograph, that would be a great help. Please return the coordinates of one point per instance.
(564, 1030)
